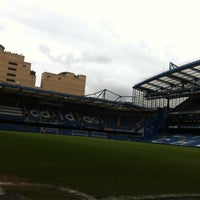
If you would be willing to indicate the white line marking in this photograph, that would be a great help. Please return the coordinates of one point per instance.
(151, 197)
(75, 192)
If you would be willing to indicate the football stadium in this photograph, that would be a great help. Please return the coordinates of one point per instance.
(56, 142)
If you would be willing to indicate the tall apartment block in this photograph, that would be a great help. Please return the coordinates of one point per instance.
(65, 82)
(14, 70)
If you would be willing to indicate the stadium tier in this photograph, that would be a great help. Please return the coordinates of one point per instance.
(36, 110)
(186, 116)
(177, 92)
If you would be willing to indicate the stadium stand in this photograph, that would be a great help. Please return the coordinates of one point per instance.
(34, 112)
(177, 93)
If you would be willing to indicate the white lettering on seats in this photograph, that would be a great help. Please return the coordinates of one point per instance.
(70, 117)
(34, 113)
(91, 120)
(45, 114)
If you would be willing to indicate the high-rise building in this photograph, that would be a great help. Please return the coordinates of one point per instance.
(14, 70)
(65, 82)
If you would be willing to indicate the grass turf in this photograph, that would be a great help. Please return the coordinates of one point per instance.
(99, 167)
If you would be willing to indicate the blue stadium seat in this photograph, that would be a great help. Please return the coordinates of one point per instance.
(11, 113)
(90, 120)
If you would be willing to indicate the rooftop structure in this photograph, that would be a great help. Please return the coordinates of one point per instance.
(174, 85)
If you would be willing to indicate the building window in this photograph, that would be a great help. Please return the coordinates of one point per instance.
(8, 74)
(59, 78)
(48, 76)
(13, 69)
(12, 63)
(32, 73)
(10, 80)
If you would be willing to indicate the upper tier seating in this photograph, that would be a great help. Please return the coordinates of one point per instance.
(189, 105)
(186, 116)
(33, 113)
(90, 120)
(11, 113)
(67, 117)
(128, 122)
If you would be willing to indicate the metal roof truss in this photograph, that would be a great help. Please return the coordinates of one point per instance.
(175, 81)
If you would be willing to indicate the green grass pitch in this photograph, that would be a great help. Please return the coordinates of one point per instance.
(99, 167)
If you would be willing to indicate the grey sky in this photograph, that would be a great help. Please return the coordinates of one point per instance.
(115, 43)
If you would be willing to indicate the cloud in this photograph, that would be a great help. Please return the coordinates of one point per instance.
(114, 51)
(69, 58)
(43, 23)
(1, 27)
(101, 59)
(116, 67)
(44, 49)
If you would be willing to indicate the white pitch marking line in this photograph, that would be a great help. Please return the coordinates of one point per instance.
(87, 196)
